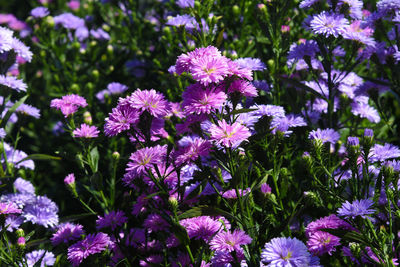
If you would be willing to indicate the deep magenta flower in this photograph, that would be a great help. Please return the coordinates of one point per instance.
(113, 219)
(92, 244)
(120, 119)
(198, 100)
(9, 208)
(145, 158)
(231, 193)
(86, 131)
(329, 222)
(67, 232)
(321, 242)
(202, 227)
(244, 87)
(197, 148)
(229, 135)
(230, 241)
(150, 101)
(68, 104)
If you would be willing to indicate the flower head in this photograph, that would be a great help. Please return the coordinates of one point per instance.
(120, 119)
(229, 135)
(209, 69)
(41, 210)
(113, 219)
(86, 131)
(325, 135)
(143, 159)
(13, 83)
(9, 208)
(285, 251)
(67, 232)
(383, 152)
(198, 100)
(361, 208)
(202, 227)
(39, 12)
(68, 104)
(230, 241)
(24, 186)
(92, 244)
(41, 256)
(321, 242)
(150, 101)
(329, 24)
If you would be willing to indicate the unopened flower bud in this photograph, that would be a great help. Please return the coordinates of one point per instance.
(285, 28)
(96, 73)
(265, 189)
(49, 21)
(20, 232)
(75, 88)
(21, 242)
(70, 179)
(173, 201)
(87, 118)
(236, 10)
(115, 155)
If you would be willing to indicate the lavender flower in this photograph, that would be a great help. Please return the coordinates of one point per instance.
(6, 39)
(41, 256)
(39, 12)
(202, 227)
(21, 49)
(285, 251)
(41, 210)
(329, 24)
(361, 208)
(325, 136)
(29, 110)
(69, 21)
(383, 152)
(185, 3)
(13, 83)
(150, 101)
(92, 244)
(24, 186)
(251, 63)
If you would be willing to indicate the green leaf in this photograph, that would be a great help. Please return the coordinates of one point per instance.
(220, 38)
(94, 159)
(97, 181)
(11, 111)
(38, 157)
(180, 233)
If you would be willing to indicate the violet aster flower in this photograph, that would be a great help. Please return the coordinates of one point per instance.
(362, 35)
(299, 51)
(24, 186)
(229, 135)
(231, 193)
(185, 20)
(184, 61)
(209, 69)
(202, 227)
(244, 87)
(13, 83)
(92, 244)
(120, 119)
(383, 152)
(354, 8)
(29, 110)
(15, 156)
(150, 101)
(285, 251)
(39, 12)
(154, 223)
(328, 222)
(100, 34)
(197, 148)
(45, 258)
(198, 100)
(145, 158)
(364, 110)
(86, 131)
(328, 24)
(41, 210)
(113, 219)
(268, 110)
(116, 88)
(282, 124)
(224, 259)
(308, 3)
(68, 104)
(9, 208)
(67, 232)
(361, 208)
(325, 135)
(69, 21)
(2, 133)
(321, 242)
(251, 63)
(385, 6)
(262, 85)
(185, 3)
(229, 241)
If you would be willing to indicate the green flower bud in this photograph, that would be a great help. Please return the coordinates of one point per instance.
(49, 21)
(96, 73)
(75, 88)
(236, 10)
(116, 155)
(87, 118)
(20, 232)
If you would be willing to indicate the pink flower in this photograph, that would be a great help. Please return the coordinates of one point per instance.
(69, 179)
(150, 101)
(209, 69)
(244, 87)
(9, 208)
(86, 131)
(68, 104)
(227, 241)
(197, 99)
(229, 135)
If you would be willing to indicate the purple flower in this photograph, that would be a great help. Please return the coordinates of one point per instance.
(328, 24)
(150, 101)
(24, 186)
(285, 251)
(231, 193)
(329, 222)
(100, 34)
(13, 83)
(356, 208)
(68, 104)
(86, 131)
(354, 8)
(307, 3)
(268, 110)
(229, 135)
(154, 223)
(2, 133)
(69, 21)
(21, 49)
(29, 110)
(383, 152)
(67, 232)
(195, 149)
(321, 242)
(325, 136)
(262, 85)
(41, 210)
(145, 158)
(9, 208)
(202, 227)
(385, 6)
(69, 179)
(230, 241)
(41, 256)
(362, 35)
(120, 119)
(113, 219)
(251, 63)
(299, 51)
(198, 100)
(209, 69)
(282, 124)
(39, 12)
(362, 109)
(244, 87)
(187, 21)
(15, 156)
(185, 3)
(92, 244)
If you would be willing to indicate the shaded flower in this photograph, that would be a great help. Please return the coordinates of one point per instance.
(29, 110)
(86, 131)
(244, 87)
(92, 244)
(120, 119)
(202, 227)
(361, 208)
(113, 219)
(67, 232)
(197, 148)
(231, 193)
(328, 222)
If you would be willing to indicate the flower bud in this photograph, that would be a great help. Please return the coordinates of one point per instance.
(236, 10)
(96, 73)
(20, 232)
(87, 118)
(70, 180)
(115, 155)
(21, 242)
(75, 88)
(49, 21)
(265, 189)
